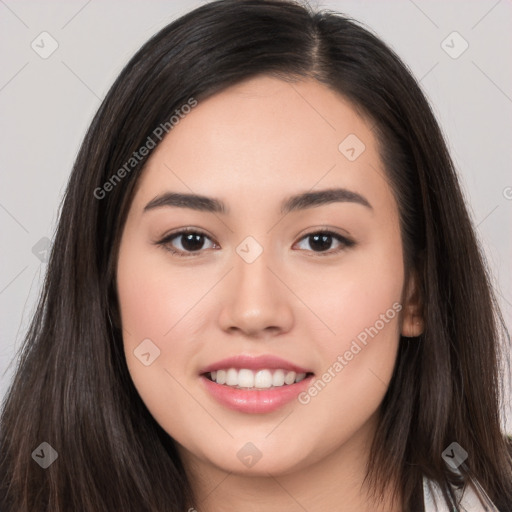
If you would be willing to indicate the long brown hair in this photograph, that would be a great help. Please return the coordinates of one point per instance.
(72, 388)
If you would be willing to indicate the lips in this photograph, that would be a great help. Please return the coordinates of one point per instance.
(263, 362)
(257, 384)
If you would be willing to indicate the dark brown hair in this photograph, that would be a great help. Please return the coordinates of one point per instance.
(72, 387)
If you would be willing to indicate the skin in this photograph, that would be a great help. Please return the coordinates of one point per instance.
(253, 145)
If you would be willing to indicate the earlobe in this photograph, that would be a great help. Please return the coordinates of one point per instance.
(412, 326)
(413, 323)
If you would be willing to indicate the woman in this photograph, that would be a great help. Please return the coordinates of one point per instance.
(264, 292)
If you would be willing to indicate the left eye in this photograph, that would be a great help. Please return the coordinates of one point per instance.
(191, 241)
(321, 241)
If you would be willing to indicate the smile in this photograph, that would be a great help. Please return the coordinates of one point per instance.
(254, 384)
(260, 379)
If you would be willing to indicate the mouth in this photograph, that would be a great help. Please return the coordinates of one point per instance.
(247, 379)
(254, 385)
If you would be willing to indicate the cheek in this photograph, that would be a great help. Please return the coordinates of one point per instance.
(154, 302)
(361, 304)
(351, 299)
(154, 297)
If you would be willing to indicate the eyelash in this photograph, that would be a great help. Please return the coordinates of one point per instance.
(165, 242)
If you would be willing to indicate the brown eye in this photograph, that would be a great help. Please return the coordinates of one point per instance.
(322, 241)
(186, 242)
(191, 241)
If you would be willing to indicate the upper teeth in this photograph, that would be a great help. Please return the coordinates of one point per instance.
(259, 379)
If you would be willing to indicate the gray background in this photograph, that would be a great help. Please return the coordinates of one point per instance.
(47, 104)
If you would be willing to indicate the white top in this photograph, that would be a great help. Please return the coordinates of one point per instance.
(472, 499)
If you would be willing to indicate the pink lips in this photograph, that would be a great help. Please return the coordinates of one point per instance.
(254, 363)
(255, 401)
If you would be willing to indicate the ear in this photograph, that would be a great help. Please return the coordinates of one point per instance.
(413, 322)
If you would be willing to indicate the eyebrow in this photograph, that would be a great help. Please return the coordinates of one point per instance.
(293, 203)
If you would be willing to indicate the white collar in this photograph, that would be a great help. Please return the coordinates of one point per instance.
(471, 499)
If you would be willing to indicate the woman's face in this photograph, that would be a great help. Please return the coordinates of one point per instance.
(261, 293)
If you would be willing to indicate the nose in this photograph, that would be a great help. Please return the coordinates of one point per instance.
(256, 302)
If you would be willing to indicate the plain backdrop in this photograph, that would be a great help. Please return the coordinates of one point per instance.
(458, 50)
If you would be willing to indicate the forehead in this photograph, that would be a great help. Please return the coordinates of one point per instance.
(263, 136)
